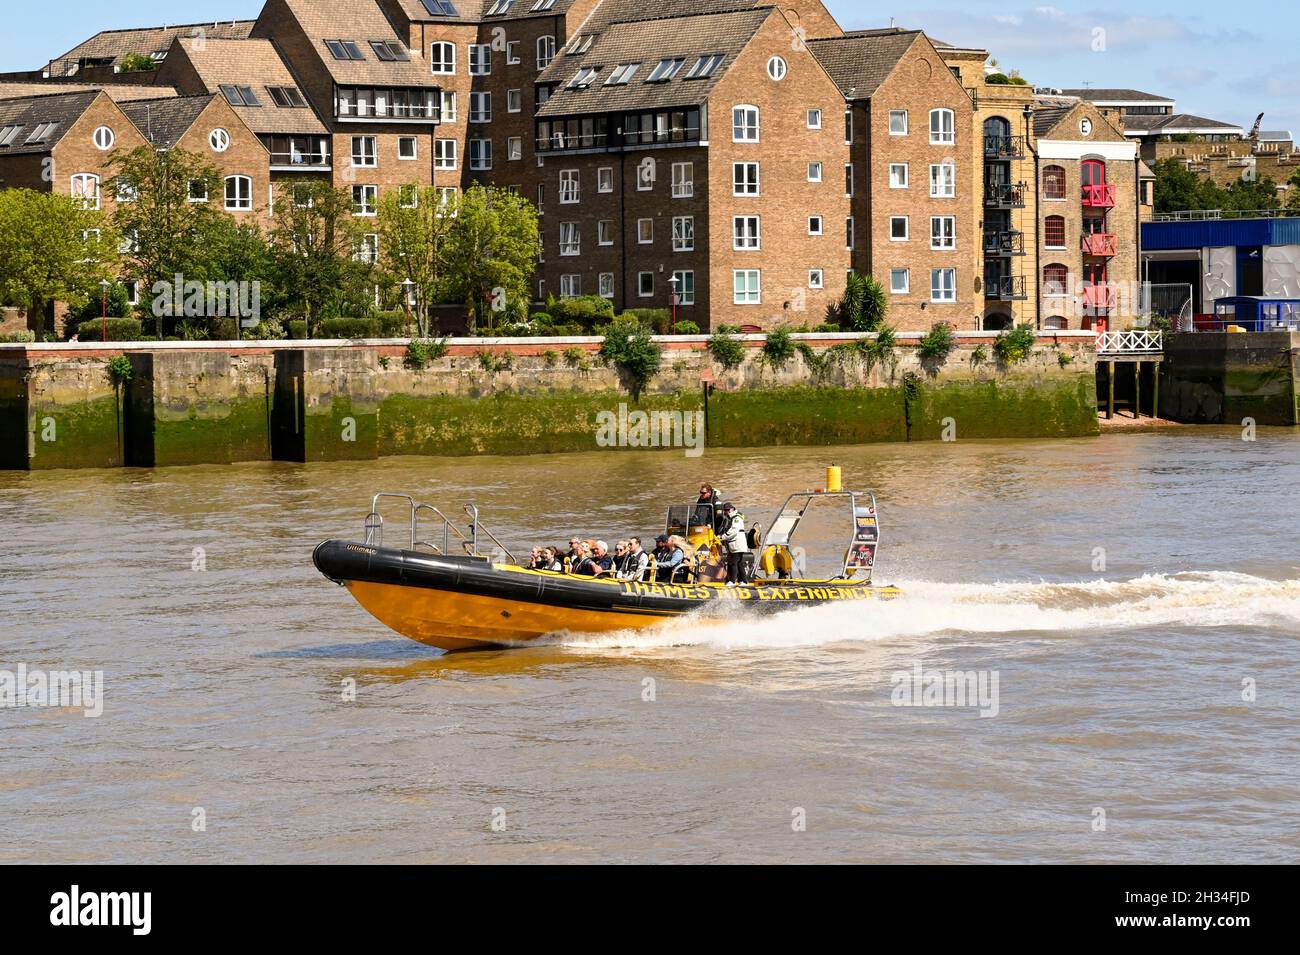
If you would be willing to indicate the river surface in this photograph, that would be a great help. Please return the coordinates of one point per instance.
(1147, 712)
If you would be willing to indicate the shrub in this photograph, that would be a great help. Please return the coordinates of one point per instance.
(551, 357)
(268, 329)
(1062, 359)
(586, 311)
(1014, 344)
(827, 327)
(881, 348)
(864, 305)
(119, 330)
(660, 319)
(542, 320)
(138, 63)
(348, 328)
(419, 352)
(119, 369)
(937, 343)
(224, 330)
(777, 349)
(19, 337)
(393, 324)
(298, 328)
(629, 347)
(727, 350)
(687, 327)
(494, 363)
(979, 355)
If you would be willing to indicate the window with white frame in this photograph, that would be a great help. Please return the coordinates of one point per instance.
(408, 196)
(514, 101)
(814, 119)
(407, 147)
(646, 173)
(364, 151)
(219, 140)
(448, 108)
(666, 69)
(898, 175)
(776, 68)
(570, 286)
(444, 154)
(442, 58)
(514, 147)
(744, 178)
(570, 187)
(898, 122)
(684, 287)
(126, 192)
(605, 179)
(645, 284)
(606, 284)
(943, 180)
(85, 186)
(898, 230)
(480, 107)
(943, 285)
(814, 172)
(900, 281)
(683, 233)
(541, 198)
(622, 74)
(746, 287)
(365, 200)
(368, 249)
(943, 232)
(816, 278)
(447, 200)
(683, 180)
(104, 138)
(480, 154)
(480, 59)
(605, 232)
(745, 232)
(645, 231)
(570, 239)
(744, 124)
(942, 127)
(512, 53)
(814, 225)
(545, 51)
(239, 193)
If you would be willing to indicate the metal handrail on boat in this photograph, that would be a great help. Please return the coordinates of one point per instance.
(374, 527)
(475, 527)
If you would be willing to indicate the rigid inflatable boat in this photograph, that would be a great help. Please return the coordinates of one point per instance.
(483, 598)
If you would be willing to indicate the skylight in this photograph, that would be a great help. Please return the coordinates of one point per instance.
(41, 133)
(240, 95)
(622, 73)
(344, 50)
(665, 69)
(440, 8)
(705, 66)
(583, 78)
(8, 134)
(542, 5)
(580, 44)
(286, 96)
(388, 51)
(499, 7)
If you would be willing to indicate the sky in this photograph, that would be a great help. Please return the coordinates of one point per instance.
(1224, 61)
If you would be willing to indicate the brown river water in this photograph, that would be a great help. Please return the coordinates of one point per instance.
(1144, 713)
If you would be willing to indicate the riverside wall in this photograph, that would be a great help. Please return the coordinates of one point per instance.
(62, 406)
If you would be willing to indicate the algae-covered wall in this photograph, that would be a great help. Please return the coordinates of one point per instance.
(1224, 378)
(311, 402)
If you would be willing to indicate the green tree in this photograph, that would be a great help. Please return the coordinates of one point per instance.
(165, 231)
(493, 243)
(1177, 187)
(316, 246)
(864, 305)
(414, 224)
(52, 248)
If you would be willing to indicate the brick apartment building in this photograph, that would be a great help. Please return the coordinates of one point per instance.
(734, 158)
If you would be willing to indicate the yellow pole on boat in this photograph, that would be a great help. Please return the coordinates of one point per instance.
(833, 479)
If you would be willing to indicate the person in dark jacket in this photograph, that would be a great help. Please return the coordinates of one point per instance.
(706, 507)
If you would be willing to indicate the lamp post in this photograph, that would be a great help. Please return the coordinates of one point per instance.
(407, 285)
(103, 310)
(672, 282)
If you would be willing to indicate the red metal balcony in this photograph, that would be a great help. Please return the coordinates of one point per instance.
(1100, 296)
(1099, 196)
(1100, 243)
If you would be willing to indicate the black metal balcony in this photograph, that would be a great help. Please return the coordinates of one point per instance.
(1004, 243)
(1006, 288)
(1005, 195)
(1004, 147)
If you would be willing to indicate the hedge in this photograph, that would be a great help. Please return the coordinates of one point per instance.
(119, 330)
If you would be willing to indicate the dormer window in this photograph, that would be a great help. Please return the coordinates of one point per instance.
(622, 74)
(287, 97)
(666, 69)
(389, 51)
(705, 66)
(581, 44)
(344, 50)
(583, 78)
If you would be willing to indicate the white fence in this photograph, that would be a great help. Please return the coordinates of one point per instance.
(1138, 341)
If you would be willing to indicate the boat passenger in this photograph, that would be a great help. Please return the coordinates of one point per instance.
(636, 561)
(620, 558)
(581, 563)
(734, 544)
(551, 559)
(706, 507)
(535, 559)
(600, 554)
(668, 557)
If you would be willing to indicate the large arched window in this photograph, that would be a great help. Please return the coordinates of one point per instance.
(1093, 172)
(442, 58)
(943, 129)
(545, 51)
(1056, 279)
(744, 124)
(1053, 182)
(85, 186)
(1056, 322)
(239, 193)
(1054, 232)
(997, 137)
(996, 323)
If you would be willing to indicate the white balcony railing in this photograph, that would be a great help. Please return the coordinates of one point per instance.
(1137, 341)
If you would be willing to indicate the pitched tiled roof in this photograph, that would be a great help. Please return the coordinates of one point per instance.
(1116, 96)
(114, 45)
(625, 11)
(1046, 117)
(646, 42)
(476, 11)
(28, 113)
(360, 21)
(164, 121)
(118, 92)
(255, 63)
(860, 62)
